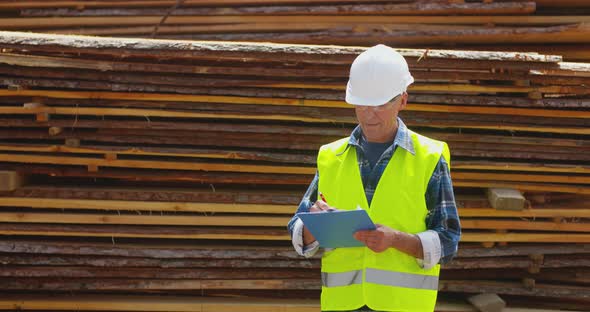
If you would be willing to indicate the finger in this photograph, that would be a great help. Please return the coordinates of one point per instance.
(361, 239)
(314, 208)
(370, 234)
(362, 234)
(359, 236)
(322, 205)
(375, 247)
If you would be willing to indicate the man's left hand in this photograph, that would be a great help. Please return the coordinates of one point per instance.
(377, 240)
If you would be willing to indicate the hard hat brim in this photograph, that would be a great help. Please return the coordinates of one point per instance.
(363, 101)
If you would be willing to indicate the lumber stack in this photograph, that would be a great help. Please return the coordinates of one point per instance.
(551, 27)
(170, 168)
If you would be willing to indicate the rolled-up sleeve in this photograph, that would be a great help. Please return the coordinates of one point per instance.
(440, 242)
(295, 225)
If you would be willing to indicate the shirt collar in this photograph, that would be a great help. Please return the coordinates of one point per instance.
(402, 137)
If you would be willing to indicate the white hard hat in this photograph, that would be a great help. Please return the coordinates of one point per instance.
(377, 76)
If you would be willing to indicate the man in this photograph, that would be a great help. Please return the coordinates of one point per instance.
(402, 179)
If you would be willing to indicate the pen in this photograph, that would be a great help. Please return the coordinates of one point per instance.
(323, 198)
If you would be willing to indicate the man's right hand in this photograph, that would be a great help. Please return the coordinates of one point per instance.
(318, 206)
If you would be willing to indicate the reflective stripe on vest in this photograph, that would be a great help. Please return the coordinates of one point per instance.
(382, 277)
(342, 279)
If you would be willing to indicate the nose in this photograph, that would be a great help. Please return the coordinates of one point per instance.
(371, 114)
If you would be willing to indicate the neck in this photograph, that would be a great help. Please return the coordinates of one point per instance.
(387, 137)
(384, 139)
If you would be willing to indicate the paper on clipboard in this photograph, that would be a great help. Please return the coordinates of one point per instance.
(335, 229)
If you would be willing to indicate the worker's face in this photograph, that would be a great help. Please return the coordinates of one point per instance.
(379, 123)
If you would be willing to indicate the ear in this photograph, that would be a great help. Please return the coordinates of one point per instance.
(404, 101)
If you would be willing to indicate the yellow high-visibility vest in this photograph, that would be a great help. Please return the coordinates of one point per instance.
(390, 280)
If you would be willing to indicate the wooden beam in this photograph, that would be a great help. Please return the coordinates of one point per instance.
(164, 251)
(487, 302)
(532, 225)
(505, 199)
(556, 255)
(130, 96)
(129, 231)
(244, 154)
(111, 152)
(367, 34)
(305, 170)
(163, 176)
(111, 262)
(442, 108)
(525, 186)
(309, 9)
(525, 237)
(37, 105)
(515, 289)
(146, 303)
(114, 205)
(487, 176)
(261, 221)
(96, 111)
(53, 131)
(202, 220)
(342, 55)
(565, 69)
(64, 22)
(563, 3)
(574, 212)
(154, 304)
(512, 166)
(205, 273)
(149, 164)
(143, 67)
(223, 233)
(168, 3)
(136, 205)
(307, 131)
(10, 180)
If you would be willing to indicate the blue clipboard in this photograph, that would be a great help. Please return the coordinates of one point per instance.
(334, 229)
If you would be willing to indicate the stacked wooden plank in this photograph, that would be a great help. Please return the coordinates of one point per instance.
(156, 167)
(552, 27)
(203, 275)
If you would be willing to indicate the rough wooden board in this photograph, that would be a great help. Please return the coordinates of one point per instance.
(515, 288)
(184, 304)
(77, 4)
(169, 250)
(229, 233)
(10, 180)
(192, 48)
(505, 199)
(488, 302)
(153, 304)
(311, 8)
(64, 22)
(203, 220)
(146, 205)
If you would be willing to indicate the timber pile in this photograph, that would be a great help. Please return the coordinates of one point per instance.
(157, 167)
(546, 26)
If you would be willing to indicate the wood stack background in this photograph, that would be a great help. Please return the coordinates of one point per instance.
(160, 175)
(546, 26)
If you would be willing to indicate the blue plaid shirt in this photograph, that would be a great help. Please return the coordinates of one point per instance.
(442, 214)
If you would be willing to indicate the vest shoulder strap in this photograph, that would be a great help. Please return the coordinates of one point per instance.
(335, 147)
(433, 146)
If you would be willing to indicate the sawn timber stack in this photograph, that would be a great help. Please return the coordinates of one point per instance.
(207, 147)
